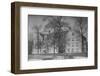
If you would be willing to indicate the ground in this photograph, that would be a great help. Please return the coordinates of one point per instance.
(56, 56)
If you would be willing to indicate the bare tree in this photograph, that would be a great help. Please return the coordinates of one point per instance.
(38, 43)
(56, 23)
(83, 31)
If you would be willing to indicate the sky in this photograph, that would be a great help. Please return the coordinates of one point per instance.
(38, 20)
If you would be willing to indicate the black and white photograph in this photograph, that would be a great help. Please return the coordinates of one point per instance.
(52, 37)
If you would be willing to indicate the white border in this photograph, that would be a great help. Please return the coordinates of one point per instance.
(25, 64)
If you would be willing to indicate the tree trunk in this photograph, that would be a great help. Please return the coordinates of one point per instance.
(81, 34)
(54, 41)
(38, 41)
(54, 48)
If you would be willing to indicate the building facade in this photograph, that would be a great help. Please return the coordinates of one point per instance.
(73, 45)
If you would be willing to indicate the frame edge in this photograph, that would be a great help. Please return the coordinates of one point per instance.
(12, 37)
